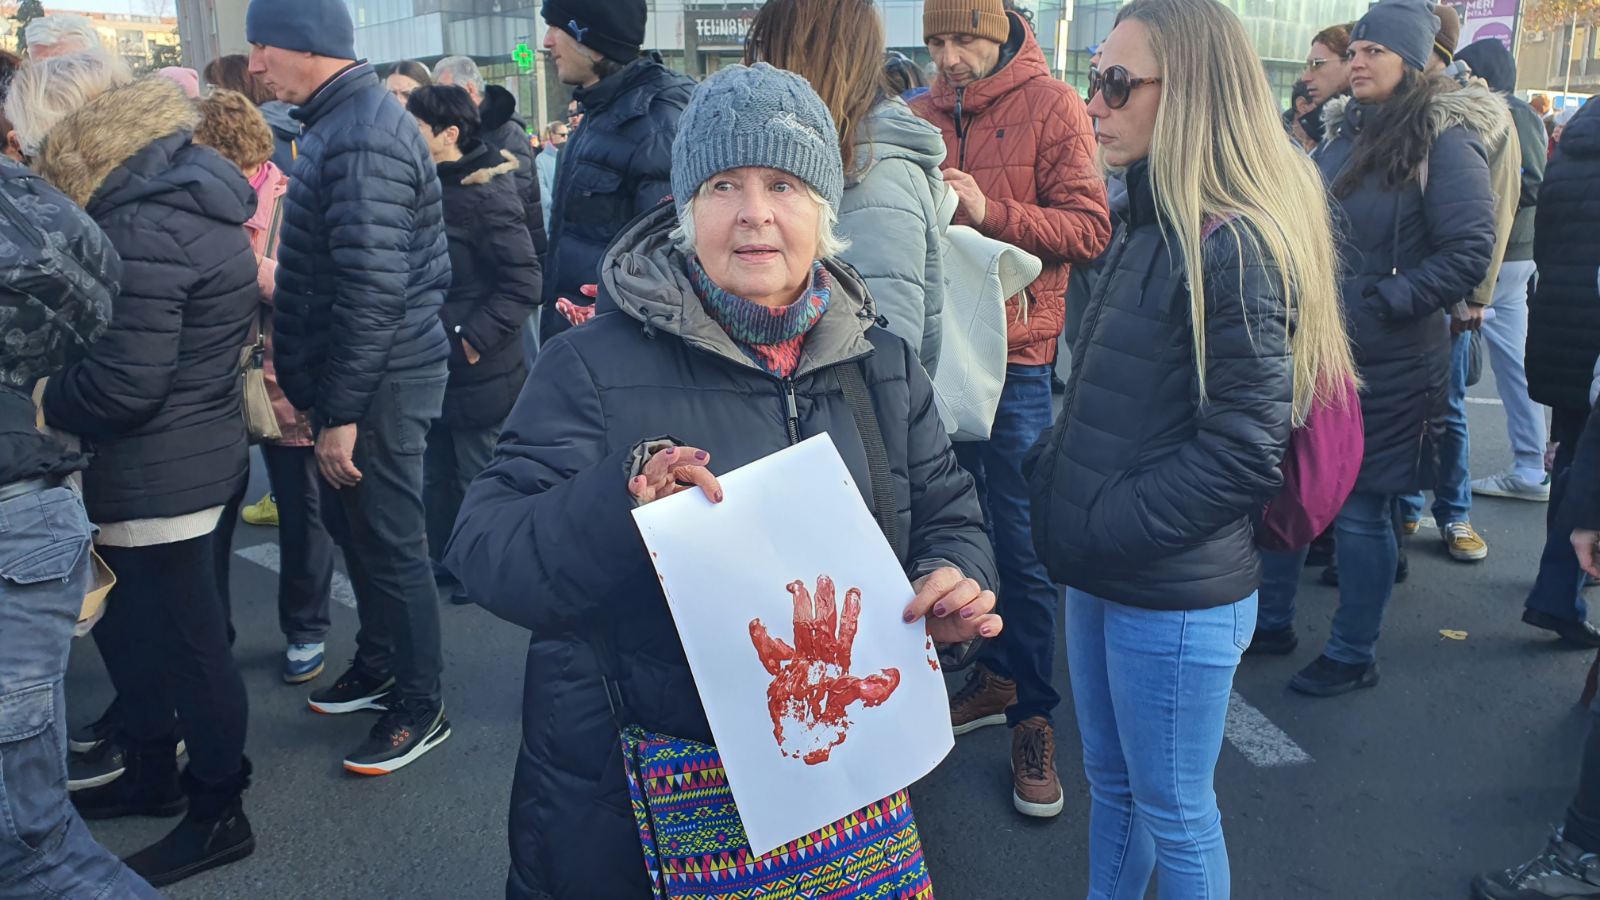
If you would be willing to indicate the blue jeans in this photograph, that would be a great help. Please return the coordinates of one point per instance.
(1452, 490)
(1025, 650)
(1151, 688)
(1558, 590)
(1506, 338)
(1280, 581)
(45, 850)
(1367, 552)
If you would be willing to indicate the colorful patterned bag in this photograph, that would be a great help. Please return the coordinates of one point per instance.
(695, 846)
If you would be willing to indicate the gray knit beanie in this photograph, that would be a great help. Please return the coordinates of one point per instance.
(756, 116)
(1407, 27)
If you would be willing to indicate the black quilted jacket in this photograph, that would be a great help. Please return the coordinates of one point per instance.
(1564, 314)
(363, 263)
(546, 539)
(1140, 494)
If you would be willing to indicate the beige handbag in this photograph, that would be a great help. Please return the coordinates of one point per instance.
(259, 418)
(101, 578)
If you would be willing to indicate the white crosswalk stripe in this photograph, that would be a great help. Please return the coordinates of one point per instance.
(267, 556)
(1263, 743)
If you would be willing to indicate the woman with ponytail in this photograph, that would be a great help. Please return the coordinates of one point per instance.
(1216, 331)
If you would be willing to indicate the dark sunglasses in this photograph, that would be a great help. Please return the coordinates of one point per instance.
(1116, 85)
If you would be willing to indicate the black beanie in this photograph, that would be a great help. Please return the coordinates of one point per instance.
(1406, 27)
(612, 28)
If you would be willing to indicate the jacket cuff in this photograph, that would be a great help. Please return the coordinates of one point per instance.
(995, 218)
(929, 566)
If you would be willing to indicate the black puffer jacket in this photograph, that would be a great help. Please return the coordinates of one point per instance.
(546, 540)
(58, 275)
(1408, 255)
(1564, 314)
(1491, 61)
(363, 264)
(502, 130)
(494, 284)
(157, 397)
(1141, 495)
(616, 165)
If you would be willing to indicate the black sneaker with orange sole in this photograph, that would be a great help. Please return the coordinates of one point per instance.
(400, 738)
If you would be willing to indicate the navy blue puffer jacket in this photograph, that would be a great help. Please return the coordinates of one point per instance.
(363, 263)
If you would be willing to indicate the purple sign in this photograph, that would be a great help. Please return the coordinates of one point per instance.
(1482, 19)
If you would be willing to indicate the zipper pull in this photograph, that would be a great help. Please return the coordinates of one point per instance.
(793, 411)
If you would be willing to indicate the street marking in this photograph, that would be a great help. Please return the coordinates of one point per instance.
(267, 556)
(1261, 742)
(1486, 401)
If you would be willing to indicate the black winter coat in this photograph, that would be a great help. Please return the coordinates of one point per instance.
(545, 538)
(1141, 495)
(502, 130)
(363, 263)
(1408, 255)
(494, 284)
(157, 397)
(616, 165)
(1564, 314)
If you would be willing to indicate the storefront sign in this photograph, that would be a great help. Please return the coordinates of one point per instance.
(719, 30)
(1482, 19)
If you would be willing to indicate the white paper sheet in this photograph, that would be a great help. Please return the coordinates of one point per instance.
(870, 715)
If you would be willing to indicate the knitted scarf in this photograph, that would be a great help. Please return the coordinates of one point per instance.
(771, 337)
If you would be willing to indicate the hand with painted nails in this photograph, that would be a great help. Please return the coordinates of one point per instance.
(812, 688)
(956, 608)
(672, 470)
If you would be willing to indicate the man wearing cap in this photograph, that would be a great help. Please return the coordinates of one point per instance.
(1021, 161)
(363, 266)
(618, 162)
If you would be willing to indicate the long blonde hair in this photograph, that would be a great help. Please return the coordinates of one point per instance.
(1219, 152)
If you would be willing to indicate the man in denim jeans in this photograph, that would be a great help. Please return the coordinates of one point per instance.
(45, 850)
(1020, 159)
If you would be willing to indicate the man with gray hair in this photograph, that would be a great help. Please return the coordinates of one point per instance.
(60, 34)
(503, 131)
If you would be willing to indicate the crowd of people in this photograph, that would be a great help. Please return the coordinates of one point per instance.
(480, 347)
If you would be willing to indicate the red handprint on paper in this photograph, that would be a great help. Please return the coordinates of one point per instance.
(812, 687)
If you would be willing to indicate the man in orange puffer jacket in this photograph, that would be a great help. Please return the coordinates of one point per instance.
(1021, 160)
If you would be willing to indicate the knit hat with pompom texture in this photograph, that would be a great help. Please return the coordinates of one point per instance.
(756, 116)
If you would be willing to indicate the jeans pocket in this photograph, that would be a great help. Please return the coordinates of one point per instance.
(42, 536)
(1244, 621)
(33, 776)
(417, 403)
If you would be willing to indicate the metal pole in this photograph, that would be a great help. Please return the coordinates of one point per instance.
(1572, 47)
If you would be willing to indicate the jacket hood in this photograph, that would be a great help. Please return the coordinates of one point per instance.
(1026, 65)
(1474, 107)
(1491, 61)
(280, 116)
(498, 107)
(269, 184)
(643, 274)
(893, 131)
(133, 144)
(1581, 137)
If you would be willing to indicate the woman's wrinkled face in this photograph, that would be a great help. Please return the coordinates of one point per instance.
(1375, 71)
(401, 87)
(756, 234)
(1327, 75)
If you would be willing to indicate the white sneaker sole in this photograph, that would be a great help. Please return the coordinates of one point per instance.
(349, 706)
(302, 679)
(399, 762)
(96, 781)
(81, 746)
(981, 722)
(1511, 495)
(1466, 556)
(1038, 810)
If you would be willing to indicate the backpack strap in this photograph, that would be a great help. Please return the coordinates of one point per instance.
(852, 379)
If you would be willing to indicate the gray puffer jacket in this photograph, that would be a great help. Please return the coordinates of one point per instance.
(546, 538)
(890, 214)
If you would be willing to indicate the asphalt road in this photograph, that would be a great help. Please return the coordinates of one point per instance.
(1460, 759)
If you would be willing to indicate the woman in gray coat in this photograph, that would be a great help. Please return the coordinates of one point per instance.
(892, 184)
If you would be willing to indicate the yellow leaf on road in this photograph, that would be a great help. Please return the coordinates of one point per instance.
(1452, 635)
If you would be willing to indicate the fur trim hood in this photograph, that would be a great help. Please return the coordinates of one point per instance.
(83, 149)
(508, 166)
(1473, 107)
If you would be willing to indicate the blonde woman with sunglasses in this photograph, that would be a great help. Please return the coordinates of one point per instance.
(1215, 331)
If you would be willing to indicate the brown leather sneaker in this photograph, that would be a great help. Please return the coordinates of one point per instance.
(981, 701)
(1035, 791)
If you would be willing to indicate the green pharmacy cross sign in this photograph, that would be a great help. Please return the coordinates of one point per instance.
(523, 54)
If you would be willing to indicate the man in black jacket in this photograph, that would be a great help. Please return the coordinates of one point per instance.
(363, 267)
(618, 162)
(1563, 343)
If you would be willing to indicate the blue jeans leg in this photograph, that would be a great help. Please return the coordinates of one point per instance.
(45, 850)
(1025, 650)
(1558, 589)
(1151, 690)
(1367, 553)
(1506, 336)
(1452, 490)
(1280, 582)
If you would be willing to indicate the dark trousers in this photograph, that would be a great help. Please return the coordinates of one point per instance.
(1558, 590)
(1025, 650)
(1583, 816)
(380, 526)
(454, 457)
(305, 577)
(223, 547)
(164, 639)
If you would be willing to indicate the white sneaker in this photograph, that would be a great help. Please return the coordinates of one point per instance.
(1508, 485)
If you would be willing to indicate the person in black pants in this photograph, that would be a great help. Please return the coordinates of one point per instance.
(158, 398)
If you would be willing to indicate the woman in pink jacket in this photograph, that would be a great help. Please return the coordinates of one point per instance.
(233, 126)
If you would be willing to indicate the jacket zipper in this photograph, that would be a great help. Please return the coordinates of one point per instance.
(961, 131)
(792, 410)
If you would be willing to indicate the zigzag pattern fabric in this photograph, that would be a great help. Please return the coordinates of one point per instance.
(695, 846)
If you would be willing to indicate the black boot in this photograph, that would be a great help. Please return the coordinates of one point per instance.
(214, 833)
(148, 787)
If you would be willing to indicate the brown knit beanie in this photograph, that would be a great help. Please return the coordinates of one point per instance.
(983, 18)
(1449, 33)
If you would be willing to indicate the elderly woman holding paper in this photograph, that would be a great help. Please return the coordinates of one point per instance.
(725, 321)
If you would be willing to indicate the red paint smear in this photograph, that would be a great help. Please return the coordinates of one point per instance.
(811, 681)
